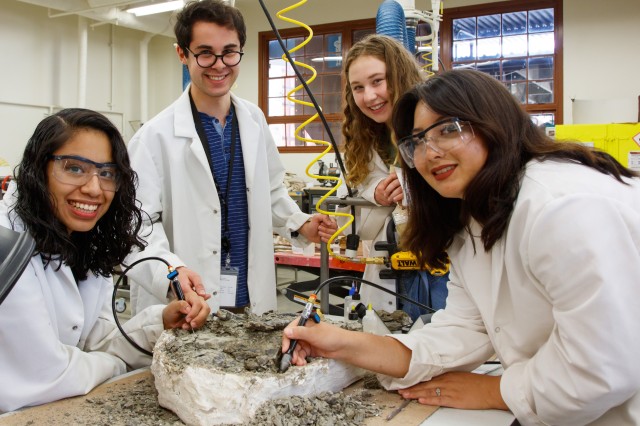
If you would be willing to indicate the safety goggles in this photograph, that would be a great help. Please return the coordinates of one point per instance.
(76, 170)
(442, 137)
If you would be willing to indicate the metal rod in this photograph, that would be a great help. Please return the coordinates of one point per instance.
(324, 254)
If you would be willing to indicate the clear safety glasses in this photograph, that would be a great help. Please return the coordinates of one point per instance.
(76, 170)
(442, 137)
(207, 58)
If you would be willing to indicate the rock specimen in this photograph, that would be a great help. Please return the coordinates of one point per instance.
(222, 373)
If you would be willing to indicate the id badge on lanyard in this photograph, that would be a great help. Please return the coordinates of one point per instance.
(228, 283)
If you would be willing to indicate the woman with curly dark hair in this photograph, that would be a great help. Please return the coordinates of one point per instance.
(74, 192)
(544, 241)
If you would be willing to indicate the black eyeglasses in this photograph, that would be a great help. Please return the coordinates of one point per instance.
(76, 170)
(207, 58)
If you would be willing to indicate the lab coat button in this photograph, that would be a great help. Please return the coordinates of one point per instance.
(215, 252)
(497, 330)
(75, 327)
(215, 211)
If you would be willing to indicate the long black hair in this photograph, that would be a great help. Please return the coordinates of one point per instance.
(115, 234)
(511, 139)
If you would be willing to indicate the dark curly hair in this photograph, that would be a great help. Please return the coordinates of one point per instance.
(115, 234)
(214, 11)
(511, 139)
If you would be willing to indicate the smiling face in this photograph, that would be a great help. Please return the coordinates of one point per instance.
(80, 207)
(449, 173)
(367, 79)
(211, 84)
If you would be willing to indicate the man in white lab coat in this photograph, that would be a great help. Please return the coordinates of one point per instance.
(211, 179)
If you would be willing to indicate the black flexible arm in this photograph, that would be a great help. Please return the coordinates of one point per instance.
(113, 301)
(379, 287)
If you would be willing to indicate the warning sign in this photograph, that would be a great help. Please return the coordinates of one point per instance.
(636, 138)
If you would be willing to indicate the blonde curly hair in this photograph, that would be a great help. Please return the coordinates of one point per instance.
(360, 133)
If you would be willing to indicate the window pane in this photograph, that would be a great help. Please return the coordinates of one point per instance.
(518, 90)
(464, 29)
(540, 92)
(490, 67)
(289, 84)
(488, 26)
(489, 48)
(310, 109)
(541, 44)
(277, 131)
(464, 50)
(357, 35)
(541, 20)
(276, 106)
(514, 23)
(333, 49)
(274, 49)
(277, 68)
(336, 132)
(310, 131)
(514, 70)
(514, 46)
(315, 86)
(291, 139)
(543, 119)
(465, 66)
(332, 103)
(298, 107)
(332, 83)
(276, 87)
(314, 47)
(314, 130)
(540, 68)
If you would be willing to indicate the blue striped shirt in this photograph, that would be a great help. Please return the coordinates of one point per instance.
(237, 201)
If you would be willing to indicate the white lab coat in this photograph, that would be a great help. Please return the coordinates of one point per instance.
(59, 339)
(371, 226)
(557, 298)
(178, 192)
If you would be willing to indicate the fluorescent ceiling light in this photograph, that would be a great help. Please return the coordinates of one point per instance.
(157, 8)
(327, 59)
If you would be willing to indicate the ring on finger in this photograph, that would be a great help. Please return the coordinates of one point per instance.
(438, 392)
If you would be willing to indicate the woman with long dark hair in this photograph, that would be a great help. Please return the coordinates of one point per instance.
(544, 242)
(74, 192)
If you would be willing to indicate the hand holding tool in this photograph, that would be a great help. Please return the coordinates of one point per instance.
(307, 312)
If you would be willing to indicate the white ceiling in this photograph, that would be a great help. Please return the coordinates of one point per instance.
(110, 11)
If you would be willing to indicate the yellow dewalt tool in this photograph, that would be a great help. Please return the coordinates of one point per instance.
(407, 261)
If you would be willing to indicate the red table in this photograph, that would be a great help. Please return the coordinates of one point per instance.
(300, 260)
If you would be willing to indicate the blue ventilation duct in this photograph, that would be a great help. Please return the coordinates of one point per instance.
(390, 21)
(411, 39)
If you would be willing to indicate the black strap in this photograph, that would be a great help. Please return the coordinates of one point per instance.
(226, 241)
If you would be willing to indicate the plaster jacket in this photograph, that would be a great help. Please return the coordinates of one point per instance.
(371, 226)
(557, 298)
(59, 339)
(178, 193)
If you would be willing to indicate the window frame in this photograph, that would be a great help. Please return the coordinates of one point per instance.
(346, 28)
(446, 43)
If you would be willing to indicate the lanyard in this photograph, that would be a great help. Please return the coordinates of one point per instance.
(226, 241)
